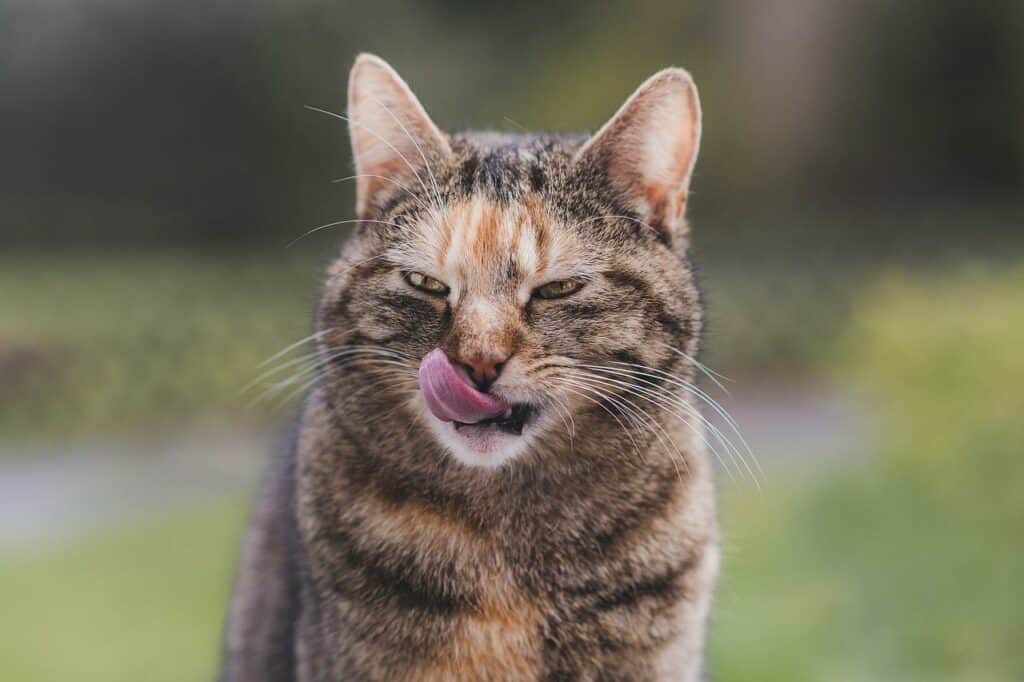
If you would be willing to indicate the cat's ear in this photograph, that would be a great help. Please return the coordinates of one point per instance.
(648, 149)
(394, 142)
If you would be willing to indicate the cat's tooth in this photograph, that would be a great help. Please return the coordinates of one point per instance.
(508, 413)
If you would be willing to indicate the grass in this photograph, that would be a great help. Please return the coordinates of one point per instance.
(144, 603)
(906, 566)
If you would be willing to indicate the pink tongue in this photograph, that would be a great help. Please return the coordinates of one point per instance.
(449, 395)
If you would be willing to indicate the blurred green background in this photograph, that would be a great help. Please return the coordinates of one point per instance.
(858, 225)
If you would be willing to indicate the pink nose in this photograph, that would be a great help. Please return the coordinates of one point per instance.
(450, 397)
(483, 369)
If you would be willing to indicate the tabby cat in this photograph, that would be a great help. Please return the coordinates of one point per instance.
(500, 472)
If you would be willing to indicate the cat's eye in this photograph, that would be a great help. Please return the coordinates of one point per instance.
(426, 283)
(558, 289)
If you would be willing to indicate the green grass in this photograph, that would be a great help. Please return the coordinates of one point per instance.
(905, 566)
(144, 603)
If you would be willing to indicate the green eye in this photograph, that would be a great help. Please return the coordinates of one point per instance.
(426, 283)
(558, 289)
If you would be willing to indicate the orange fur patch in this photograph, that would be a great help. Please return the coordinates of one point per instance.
(411, 524)
(499, 641)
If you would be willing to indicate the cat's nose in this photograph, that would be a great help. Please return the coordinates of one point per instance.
(483, 369)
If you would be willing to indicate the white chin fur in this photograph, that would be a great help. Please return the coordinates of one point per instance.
(485, 446)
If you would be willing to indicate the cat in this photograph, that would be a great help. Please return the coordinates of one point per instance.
(500, 472)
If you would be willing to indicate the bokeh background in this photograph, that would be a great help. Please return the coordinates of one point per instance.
(858, 220)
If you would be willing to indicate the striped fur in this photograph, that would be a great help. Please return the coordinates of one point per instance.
(588, 551)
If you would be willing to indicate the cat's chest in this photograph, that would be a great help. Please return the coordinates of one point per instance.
(499, 638)
(431, 597)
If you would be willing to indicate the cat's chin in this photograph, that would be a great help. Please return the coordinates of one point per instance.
(485, 445)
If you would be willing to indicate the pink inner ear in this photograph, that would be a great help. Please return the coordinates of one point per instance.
(667, 205)
(669, 122)
(391, 132)
(651, 145)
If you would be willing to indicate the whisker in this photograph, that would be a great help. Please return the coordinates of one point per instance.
(558, 404)
(363, 262)
(426, 164)
(331, 354)
(266, 374)
(370, 130)
(708, 372)
(371, 362)
(636, 446)
(341, 222)
(708, 400)
(669, 403)
(384, 378)
(376, 355)
(380, 349)
(289, 348)
(640, 415)
(402, 187)
(515, 123)
(298, 391)
(309, 363)
(564, 412)
(647, 419)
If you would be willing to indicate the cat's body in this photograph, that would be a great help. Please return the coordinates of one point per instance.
(572, 537)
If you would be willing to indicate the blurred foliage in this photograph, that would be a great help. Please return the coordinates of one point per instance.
(779, 287)
(163, 123)
(104, 344)
(904, 567)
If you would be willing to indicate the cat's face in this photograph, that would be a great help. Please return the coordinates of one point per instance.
(504, 290)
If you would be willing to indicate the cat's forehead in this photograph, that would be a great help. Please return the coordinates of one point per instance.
(483, 244)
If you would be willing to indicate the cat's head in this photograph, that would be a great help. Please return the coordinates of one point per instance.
(505, 289)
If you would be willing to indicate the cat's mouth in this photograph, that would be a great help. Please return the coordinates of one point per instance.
(512, 421)
(480, 428)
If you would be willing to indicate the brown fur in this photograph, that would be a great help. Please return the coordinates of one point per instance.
(591, 553)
